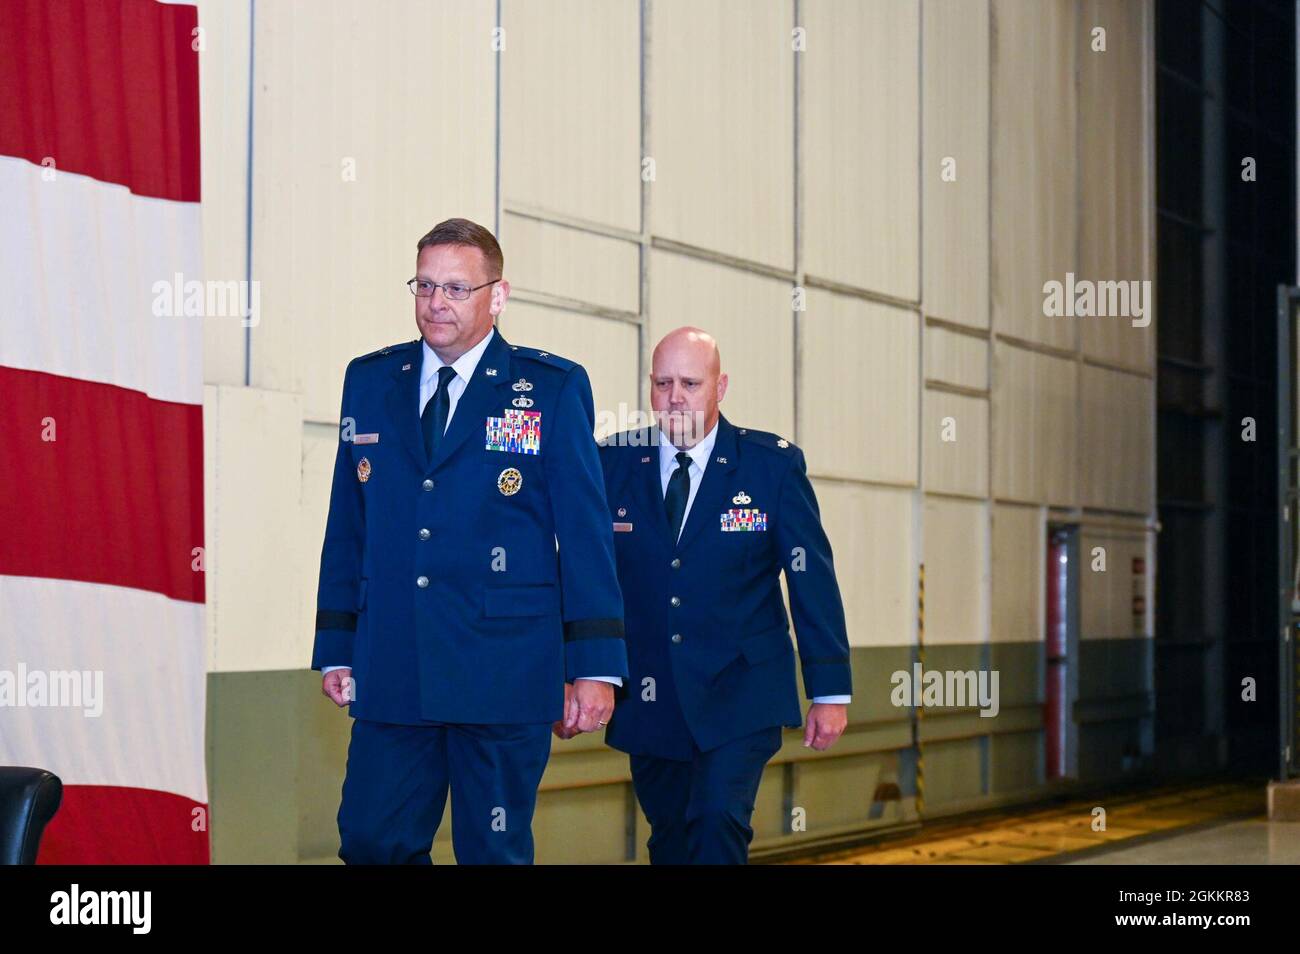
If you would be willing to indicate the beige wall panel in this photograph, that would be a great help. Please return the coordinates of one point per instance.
(750, 317)
(858, 389)
(1106, 597)
(319, 445)
(571, 263)
(874, 548)
(571, 108)
(1116, 192)
(722, 127)
(1033, 194)
(1116, 440)
(223, 135)
(581, 826)
(605, 347)
(1019, 551)
(251, 493)
(332, 254)
(861, 149)
(955, 358)
(955, 93)
(960, 465)
(1035, 416)
(956, 571)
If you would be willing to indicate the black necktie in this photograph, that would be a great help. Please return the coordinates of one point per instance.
(679, 491)
(434, 418)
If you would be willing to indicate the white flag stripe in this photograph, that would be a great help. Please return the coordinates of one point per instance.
(150, 651)
(79, 293)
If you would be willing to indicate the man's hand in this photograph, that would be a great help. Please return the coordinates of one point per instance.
(587, 707)
(826, 722)
(561, 732)
(337, 684)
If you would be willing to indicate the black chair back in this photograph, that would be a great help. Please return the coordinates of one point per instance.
(29, 797)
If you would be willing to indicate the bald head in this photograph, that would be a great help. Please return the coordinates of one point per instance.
(691, 344)
(686, 385)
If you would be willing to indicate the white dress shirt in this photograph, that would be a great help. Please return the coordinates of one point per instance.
(699, 460)
(464, 366)
(700, 455)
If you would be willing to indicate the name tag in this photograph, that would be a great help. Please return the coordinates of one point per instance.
(622, 528)
(366, 439)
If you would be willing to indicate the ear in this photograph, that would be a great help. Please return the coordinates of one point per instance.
(500, 292)
(722, 386)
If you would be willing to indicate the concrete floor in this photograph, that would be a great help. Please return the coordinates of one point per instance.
(1254, 841)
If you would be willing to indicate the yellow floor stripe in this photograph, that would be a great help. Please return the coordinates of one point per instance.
(1034, 834)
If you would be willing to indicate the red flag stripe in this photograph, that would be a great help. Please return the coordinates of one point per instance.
(105, 88)
(116, 497)
(110, 825)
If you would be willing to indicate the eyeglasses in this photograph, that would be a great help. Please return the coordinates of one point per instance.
(456, 291)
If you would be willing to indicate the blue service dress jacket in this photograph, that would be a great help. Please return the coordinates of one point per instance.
(708, 637)
(468, 588)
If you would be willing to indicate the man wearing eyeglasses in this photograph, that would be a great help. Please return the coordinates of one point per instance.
(467, 571)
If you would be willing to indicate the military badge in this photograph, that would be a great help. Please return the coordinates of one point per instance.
(744, 519)
(622, 528)
(783, 443)
(366, 439)
(363, 470)
(622, 511)
(509, 481)
(522, 401)
(522, 385)
(742, 498)
(517, 431)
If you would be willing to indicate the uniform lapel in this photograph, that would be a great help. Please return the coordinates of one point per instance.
(481, 399)
(650, 487)
(636, 488)
(402, 402)
(715, 489)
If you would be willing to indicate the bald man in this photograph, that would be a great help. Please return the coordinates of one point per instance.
(706, 516)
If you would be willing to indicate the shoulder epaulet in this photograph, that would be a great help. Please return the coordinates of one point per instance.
(388, 349)
(774, 442)
(634, 437)
(545, 357)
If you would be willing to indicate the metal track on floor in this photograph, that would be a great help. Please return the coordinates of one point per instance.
(1046, 834)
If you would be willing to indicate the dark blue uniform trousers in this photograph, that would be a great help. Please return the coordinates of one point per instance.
(396, 786)
(699, 811)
